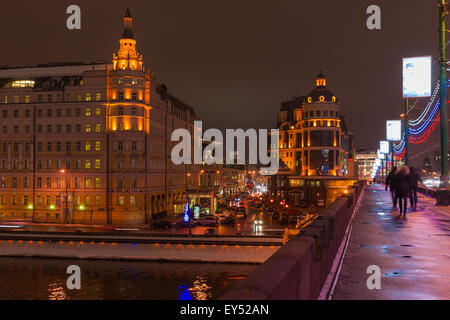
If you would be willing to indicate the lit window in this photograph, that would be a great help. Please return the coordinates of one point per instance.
(98, 96)
(97, 145)
(97, 163)
(88, 146)
(16, 99)
(88, 164)
(27, 99)
(132, 200)
(22, 84)
(88, 112)
(88, 97)
(97, 112)
(88, 128)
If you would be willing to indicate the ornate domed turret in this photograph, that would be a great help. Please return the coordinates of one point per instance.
(128, 58)
(321, 93)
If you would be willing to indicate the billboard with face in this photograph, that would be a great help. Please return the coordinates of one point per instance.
(417, 77)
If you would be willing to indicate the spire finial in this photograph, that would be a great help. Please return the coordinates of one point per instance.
(127, 25)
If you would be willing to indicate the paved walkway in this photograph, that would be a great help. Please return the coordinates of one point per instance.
(413, 253)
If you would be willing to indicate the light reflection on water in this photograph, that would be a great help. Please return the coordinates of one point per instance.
(56, 292)
(45, 279)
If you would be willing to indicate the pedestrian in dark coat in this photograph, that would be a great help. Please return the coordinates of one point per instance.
(403, 186)
(414, 179)
(390, 181)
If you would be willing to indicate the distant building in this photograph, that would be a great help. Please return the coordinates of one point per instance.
(365, 160)
(315, 146)
(90, 143)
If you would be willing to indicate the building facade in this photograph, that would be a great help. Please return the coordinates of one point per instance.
(90, 143)
(314, 142)
(365, 160)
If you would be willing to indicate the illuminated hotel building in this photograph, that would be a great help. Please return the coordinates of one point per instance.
(314, 141)
(90, 143)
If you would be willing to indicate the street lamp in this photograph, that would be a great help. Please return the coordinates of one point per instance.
(188, 204)
(66, 185)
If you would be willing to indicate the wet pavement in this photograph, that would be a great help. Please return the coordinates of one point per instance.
(270, 227)
(413, 254)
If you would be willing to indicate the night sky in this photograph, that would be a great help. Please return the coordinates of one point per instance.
(234, 61)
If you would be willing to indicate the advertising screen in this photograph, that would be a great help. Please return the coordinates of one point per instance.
(417, 77)
(393, 130)
(384, 147)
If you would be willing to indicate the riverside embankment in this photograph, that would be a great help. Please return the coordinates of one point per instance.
(133, 247)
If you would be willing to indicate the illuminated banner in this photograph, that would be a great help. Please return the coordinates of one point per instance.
(377, 162)
(196, 212)
(380, 155)
(384, 147)
(417, 77)
(394, 130)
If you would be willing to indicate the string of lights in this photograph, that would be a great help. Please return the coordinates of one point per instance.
(419, 129)
(416, 122)
(427, 123)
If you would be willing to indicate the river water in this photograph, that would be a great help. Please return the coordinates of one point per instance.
(45, 279)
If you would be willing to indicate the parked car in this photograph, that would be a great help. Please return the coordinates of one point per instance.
(210, 232)
(160, 224)
(184, 224)
(207, 221)
(224, 214)
(227, 221)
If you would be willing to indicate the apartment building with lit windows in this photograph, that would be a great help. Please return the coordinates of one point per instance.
(90, 143)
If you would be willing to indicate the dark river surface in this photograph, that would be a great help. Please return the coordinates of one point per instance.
(45, 279)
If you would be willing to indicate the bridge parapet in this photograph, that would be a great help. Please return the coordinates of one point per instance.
(300, 268)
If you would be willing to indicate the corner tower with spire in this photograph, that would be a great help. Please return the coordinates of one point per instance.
(128, 127)
(128, 58)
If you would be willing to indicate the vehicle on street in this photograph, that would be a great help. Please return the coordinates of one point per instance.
(240, 213)
(207, 221)
(227, 221)
(184, 224)
(210, 232)
(160, 224)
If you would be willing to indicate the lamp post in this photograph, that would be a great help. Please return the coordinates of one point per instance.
(66, 186)
(188, 204)
(443, 94)
(406, 131)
